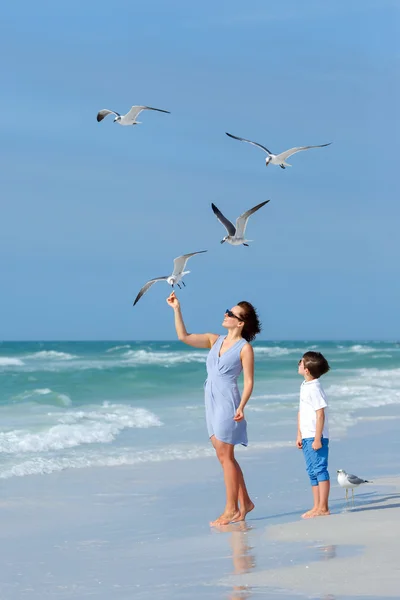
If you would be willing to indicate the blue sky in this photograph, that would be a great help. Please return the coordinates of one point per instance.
(90, 211)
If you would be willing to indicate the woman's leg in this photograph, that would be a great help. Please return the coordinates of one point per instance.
(225, 454)
(246, 505)
(245, 502)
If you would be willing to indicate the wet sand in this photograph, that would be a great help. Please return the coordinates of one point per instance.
(143, 532)
(372, 526)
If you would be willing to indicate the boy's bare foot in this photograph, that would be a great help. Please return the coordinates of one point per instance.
(310, 514)
(247, 508)
(226, 518)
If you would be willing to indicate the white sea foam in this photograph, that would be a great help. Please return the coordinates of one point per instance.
(45, 396)
(367, 388)
(75, 428)
(276, 351)
(276, 396)
(42, 465)
(166, 359)
(8, 361)
(357, 389)
(116, 348)
(52, 354)
(359, 349)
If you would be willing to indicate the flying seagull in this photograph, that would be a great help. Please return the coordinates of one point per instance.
(347, 481)
(174, 278)
(277, 159)
(130, 117)
(236, 234)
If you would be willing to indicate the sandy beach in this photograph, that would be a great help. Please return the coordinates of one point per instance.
(372, 528)
(143, 532)
(109, 495)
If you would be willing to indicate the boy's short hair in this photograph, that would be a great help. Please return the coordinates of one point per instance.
(316, 363)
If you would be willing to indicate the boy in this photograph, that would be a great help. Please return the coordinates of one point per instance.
(312, 430)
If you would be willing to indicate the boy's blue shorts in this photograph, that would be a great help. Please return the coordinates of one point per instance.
(316, 460)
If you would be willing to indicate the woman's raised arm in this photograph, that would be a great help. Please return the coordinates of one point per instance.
(198, 340)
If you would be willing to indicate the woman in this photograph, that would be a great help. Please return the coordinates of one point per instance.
(228, 356)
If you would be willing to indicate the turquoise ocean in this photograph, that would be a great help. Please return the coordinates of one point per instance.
(86, 405)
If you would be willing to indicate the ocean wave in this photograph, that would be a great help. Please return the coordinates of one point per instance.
(276, 396)
(44, 396)
(51, 354)
(124, 357)
(75, 428)
(383, 377)
(42, 465)
(359, 349)
(145, 357)
(276, 351)
(367, 388)
(59, 362)
(346, 391)
(273, 408)
(8, 361)
(116, 348)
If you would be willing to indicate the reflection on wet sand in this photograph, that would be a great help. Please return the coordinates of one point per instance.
(242, 557)
(327, 552)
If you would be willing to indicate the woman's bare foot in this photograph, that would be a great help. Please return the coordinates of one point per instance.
(310, 514)
(245, 510)
(226, 518)
(323, 513)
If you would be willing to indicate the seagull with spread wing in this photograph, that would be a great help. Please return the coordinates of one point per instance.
(130, 117)
(174, 278)
(277, 159)
(236, 234)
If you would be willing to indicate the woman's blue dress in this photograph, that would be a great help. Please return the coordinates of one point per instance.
(222, 396)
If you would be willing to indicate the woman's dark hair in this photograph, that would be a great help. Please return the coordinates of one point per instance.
(316, 363)
(252, 324)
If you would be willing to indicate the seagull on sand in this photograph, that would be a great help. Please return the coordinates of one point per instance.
(174, 278)
(130, 117)
(236, 234)
(347, 481)
(277, 159)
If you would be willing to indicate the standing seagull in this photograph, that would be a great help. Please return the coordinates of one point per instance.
(236, 234)
(347, 481)
(277, 159)
(174, 278)
(130, 117)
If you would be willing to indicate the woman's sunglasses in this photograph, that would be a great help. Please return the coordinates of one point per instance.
(231, 314)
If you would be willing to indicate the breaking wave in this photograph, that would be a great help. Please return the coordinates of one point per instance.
(44, 396)
(52, 354)
(75, 428)
(116, 348)
(41, 465)
(276, 351)
(166, 359)
(8, 361)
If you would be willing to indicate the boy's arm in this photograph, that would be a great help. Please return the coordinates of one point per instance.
(299, 442)
(319, 427)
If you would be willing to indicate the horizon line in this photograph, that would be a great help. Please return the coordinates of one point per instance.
(282, 340)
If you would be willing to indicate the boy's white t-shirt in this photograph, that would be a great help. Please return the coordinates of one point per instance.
(312, 398)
